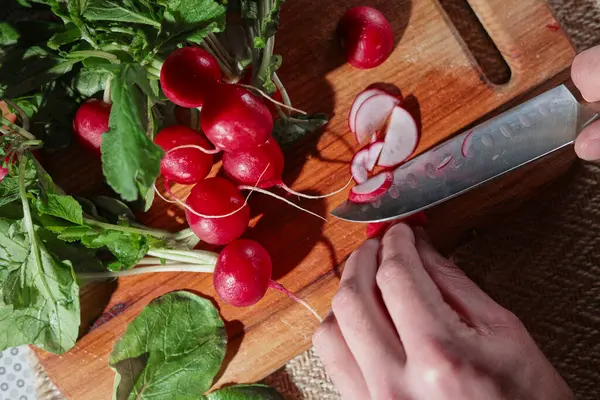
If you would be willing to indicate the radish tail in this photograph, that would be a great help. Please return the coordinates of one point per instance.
(193, 146)
(282, 289)
(263, 191)
(307, 196)
(190, 209)
(266, 96)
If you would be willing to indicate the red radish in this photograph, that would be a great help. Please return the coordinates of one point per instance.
(184, 165)
(217, 196)
(366, 37)
(372, 115)
(243, 274)
(235, 119)
(247, 80)
(188, 76)
(90, 123)
(401, 138)
(245, 167)
(358, 101)
(374, 153)
(372, 189)
(358, 166)
(265, 162)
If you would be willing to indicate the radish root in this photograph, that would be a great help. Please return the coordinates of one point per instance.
(182, 203)
(282, 289)
(193, 146)
(266, 96)
(263, 191)
(307, 196)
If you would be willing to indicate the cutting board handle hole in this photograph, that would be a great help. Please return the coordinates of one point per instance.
(493, 66)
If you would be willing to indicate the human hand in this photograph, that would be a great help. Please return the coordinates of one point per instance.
(409, 324)
(585, 73)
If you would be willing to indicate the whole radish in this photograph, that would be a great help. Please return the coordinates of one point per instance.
(265, 162)
(90, 123)
(188, 76)
(245, 167)
(242, 273)
(366, 37)
(235, 119)
(217, 197)
(187, 165)
(247, 80)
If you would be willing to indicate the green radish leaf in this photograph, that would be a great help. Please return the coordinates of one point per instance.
(287, 131)
(128, 248)
(116, 11)
(89, 82)
(71, 34)
(190, 20)
(130, 159)
(60, 206)
(112, 208)
(173, 349)
(40, 297)
(244, 392)
(8, 34)
(9, 186)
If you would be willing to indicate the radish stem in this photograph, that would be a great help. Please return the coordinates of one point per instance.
(17, 128)
(256, 189)
(282, 289)
(147, 270)
(106, 96)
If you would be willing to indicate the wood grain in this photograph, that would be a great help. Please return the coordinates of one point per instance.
(435, 72)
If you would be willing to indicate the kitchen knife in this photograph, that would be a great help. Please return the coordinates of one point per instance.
(516, 137)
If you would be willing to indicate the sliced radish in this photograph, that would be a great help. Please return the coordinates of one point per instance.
(401, 138)
(358, 101)
(444, 163)
(374, 152)
(372, 115)
(372, 189)
(358, 166)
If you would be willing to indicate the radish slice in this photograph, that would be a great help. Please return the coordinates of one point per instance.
(372, 189)
(358, 101)
(374, 152)
(358, 166)
(372, 115)
(401, 138)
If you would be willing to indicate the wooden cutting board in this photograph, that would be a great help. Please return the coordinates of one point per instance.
(435, 71)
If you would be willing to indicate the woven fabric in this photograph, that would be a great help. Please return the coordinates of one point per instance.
(543, 263)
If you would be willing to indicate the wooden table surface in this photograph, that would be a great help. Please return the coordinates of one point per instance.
(443, 86)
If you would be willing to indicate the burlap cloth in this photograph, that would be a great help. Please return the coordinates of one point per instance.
(543, 264)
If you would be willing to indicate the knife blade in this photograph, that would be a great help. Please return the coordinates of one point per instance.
(514, 138)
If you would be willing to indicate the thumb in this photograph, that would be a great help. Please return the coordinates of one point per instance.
(587, 145)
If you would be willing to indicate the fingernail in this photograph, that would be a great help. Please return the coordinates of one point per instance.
(589, 150)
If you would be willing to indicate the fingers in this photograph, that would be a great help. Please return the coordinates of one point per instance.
(587, 145)
(412, 299)
(464, 296)
(338, 360)
(585, 73)
(362, 319)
